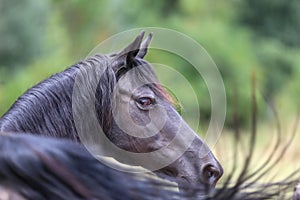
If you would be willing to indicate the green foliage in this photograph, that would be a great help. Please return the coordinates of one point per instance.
(278, 19)
(277, 66)
(22, 27)
(56, 58)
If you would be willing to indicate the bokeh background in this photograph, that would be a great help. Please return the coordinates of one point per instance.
(261, 37)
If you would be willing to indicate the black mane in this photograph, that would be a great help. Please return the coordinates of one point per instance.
(38, 167)
(47, 107)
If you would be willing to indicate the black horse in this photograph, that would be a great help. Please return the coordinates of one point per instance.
(39, 167)
(125, 95)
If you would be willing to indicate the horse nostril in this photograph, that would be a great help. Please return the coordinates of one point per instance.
(211, 173)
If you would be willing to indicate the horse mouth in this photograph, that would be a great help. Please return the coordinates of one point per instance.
(169, 173)
(187, 184)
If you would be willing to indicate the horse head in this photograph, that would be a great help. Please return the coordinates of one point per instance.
(145, 121)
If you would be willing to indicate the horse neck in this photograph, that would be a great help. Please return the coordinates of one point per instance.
(45, 108)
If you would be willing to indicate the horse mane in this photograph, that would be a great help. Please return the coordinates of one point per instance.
(40, 167)
(47, 107)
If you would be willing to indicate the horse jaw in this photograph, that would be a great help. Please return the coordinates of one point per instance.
(197, 168)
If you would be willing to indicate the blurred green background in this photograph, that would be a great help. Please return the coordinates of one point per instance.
(42, 37)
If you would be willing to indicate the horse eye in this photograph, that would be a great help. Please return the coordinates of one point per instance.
(145, 101)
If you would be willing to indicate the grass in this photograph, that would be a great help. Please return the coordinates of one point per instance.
(263, 160)
(264, 147)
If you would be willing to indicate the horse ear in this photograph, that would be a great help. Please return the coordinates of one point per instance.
(132, 49)
(144, 46)
(125, 58)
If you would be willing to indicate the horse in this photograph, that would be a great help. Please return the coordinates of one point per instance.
(127, 91)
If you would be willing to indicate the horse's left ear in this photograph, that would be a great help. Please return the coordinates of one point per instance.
(137, 49)
(144, 46)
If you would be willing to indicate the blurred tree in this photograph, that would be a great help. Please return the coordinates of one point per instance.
(277, 67)
(22, 28)
(87, 23)
(276, 18)
(54, 57)
(276, 28)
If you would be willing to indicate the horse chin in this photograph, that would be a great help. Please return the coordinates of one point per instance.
(186, 184)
